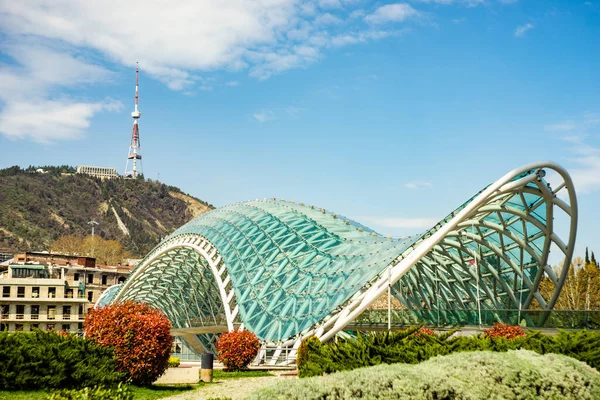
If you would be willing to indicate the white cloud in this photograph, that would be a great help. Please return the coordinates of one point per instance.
(468, 3)
(520, 30)
(561, 127)
(418, 185)
(401, 223)
(391, 13)
(232, 83)
(45, 121)
(172, 43)
(584, 157)
(586, 174)
(264, 115)
(28, 108)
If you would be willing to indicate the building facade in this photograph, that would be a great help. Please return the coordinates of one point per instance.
(99, 172)
(51, 291)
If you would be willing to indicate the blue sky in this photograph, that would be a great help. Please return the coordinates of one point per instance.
(391, 113)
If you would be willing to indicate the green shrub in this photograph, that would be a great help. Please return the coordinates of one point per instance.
(237, 349)
(174, 362)
(316, 358)
(474, 375)
(45, 360)
(121, 392)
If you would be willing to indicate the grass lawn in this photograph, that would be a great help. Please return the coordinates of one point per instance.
(141, 393)
(220, 374)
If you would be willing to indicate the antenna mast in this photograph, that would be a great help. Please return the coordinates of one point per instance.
(134, 146)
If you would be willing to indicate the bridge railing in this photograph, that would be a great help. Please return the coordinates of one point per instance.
(449, 317)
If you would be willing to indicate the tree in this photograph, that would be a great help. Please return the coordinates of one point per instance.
(237, 349)
(71, 245)
(140, 335)
(105, 251)
(581, 290)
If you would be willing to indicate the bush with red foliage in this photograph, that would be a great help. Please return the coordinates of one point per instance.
(505, 330)
(237, 349)
(140, 335)
(424, 331)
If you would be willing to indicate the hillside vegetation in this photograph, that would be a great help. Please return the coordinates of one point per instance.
(38, 208)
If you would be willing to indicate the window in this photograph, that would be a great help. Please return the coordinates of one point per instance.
(19, 327)
(52, 292)
(6, 291)
(104, 279)
(35, 311)
(80, 326)
(20, 311)
(80, 311)
(70, 293)
(50, 327)
(90, 296)
(4, 310)
(21, 291)
(35, 326)
(66, 312)
(35, 292)
(51, 312)
(76, 276)
(90, 278)
(3, 327)
(66, 327)
(121, 279)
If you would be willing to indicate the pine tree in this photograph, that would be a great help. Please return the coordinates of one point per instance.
(587, 256)
(594, 260)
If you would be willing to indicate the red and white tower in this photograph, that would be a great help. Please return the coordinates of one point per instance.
(134, 146)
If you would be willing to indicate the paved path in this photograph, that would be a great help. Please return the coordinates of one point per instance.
(231, 388)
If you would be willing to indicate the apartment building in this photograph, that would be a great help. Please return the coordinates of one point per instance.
(52, 291)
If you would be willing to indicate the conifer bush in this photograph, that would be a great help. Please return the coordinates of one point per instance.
(139, 334)
(45, 360)
(237, 349)
(485, 375)
(316, 358)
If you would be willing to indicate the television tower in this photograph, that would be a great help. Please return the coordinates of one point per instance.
(134, 146)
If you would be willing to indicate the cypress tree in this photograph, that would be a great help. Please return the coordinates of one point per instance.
(587, 256)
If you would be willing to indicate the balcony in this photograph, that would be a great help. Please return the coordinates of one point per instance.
(66, 316)
(20, 316)
(51, 316)
(35, 316)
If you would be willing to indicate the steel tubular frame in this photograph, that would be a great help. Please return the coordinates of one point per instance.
(464, 262)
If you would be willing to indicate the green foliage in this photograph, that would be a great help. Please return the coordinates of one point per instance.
(475, 375)
(174, 362)
(237, 349)
(220, 374)
(44, 360)
(121, 392)
(38, 208)
(140, 335)
(316, 358)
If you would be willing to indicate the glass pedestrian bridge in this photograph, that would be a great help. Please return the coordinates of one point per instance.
(287, 270)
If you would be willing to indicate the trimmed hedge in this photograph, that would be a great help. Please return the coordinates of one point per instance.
(316, 358)
(45, 360)
(519, 374)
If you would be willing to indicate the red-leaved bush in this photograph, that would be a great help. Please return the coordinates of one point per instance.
(140, 335)
(424, 331)
(237, 349)
(505, 330)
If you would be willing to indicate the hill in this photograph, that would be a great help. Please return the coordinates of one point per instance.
(38, 208)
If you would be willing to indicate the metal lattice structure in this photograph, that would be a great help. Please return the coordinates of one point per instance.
(286, 270)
